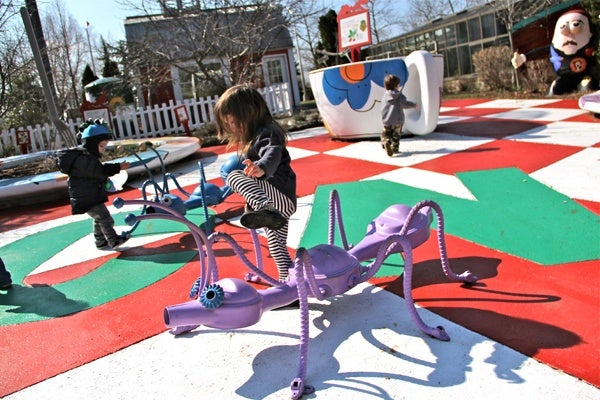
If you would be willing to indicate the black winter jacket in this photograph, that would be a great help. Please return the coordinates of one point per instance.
(87, 178)
(268, 151)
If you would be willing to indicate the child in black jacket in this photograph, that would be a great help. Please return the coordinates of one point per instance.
(87, 182)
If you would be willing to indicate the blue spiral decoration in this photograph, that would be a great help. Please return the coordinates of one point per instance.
(212, 296)
(195, 288)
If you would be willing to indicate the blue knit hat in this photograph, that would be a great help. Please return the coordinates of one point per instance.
(96, 130)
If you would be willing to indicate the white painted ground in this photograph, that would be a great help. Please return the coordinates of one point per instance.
(363, 345)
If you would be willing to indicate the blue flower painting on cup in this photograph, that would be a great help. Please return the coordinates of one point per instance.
(352, 82)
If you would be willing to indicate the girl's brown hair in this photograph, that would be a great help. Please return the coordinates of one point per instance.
(250, 111)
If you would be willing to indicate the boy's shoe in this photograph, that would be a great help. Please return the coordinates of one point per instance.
(389, 149)
(102, 245)
(266, 217)
(5, 285)
(121, 239)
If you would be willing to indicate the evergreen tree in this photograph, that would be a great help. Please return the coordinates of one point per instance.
(328, 30)
(111, 68)
(88, 76)
(27, 98)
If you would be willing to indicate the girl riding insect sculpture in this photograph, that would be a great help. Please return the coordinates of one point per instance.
(320, 272)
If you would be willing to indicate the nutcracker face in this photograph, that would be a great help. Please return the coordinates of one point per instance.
(572, 32)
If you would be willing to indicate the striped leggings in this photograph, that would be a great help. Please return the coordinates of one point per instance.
(258, 193)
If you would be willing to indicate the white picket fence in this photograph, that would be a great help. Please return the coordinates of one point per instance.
(153, 121)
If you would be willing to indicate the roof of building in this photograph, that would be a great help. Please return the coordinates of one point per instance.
(262, 28)
(544, 13)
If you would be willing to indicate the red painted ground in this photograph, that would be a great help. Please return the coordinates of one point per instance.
(543, 312)
(550, 313)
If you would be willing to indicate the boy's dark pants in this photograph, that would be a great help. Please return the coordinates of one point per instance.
(391, 133)
(104, 232)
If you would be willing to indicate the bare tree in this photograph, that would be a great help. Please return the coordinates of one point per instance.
(12, 62)
(302, 20)
(212, 32)
(66, 49)
(218, 42)
(22, 101)
(385, 16)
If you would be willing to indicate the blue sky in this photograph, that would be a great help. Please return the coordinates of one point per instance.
(106, 17)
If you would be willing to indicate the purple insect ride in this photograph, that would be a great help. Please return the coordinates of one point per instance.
(320, 272)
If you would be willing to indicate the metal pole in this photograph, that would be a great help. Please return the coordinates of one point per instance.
(304, 97)
(64, 132)
(87, 32)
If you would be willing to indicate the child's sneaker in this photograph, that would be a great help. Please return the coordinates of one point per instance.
(102, 245)
(266, 217)
(121, 239)
(389, 149)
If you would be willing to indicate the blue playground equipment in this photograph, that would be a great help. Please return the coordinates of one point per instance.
(206, 194)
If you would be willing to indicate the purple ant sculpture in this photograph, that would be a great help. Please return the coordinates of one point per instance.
(320, 272)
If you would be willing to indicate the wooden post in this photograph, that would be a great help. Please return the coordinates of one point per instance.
(23, 140)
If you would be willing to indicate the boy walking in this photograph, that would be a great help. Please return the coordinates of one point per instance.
(392, 114)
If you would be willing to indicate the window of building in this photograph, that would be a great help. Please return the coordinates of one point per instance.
(488, 24)
(500, 28)
(421, 42)
(275, 70)
(451, 62)
(457, 41)
(430, 43)
(450, 35)
(194, 84)
(464, 60)
(461, 31)
(502, 41)
(439, 37)
(474, 29)
(428, 36)
(186, 82)
(400, 44)
(474, 49)
(410, 43)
